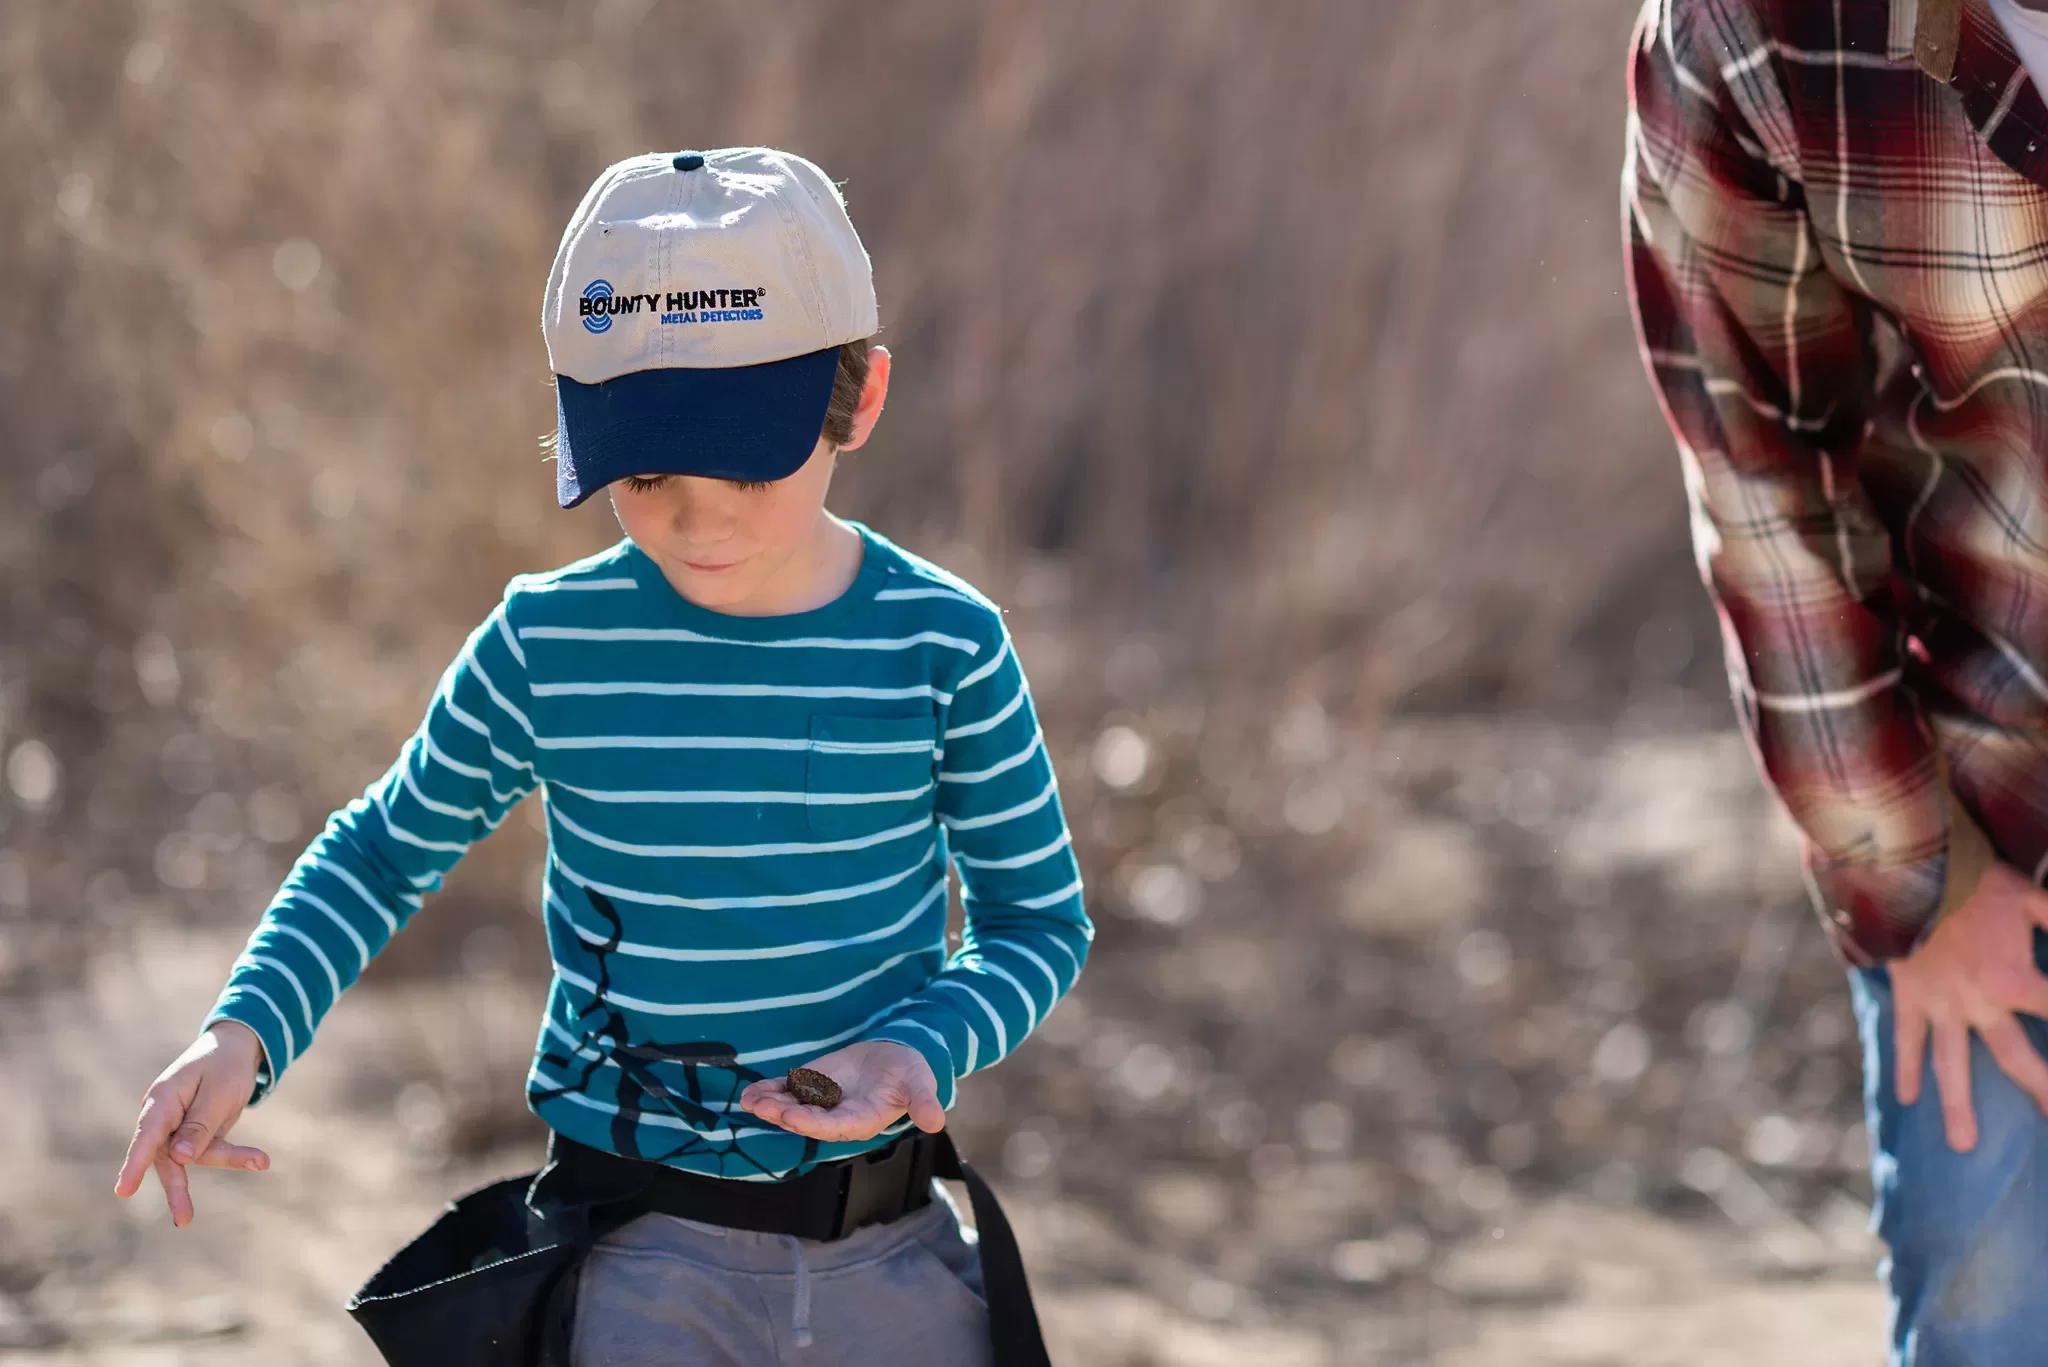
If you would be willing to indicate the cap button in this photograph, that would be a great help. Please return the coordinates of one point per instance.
(689, 161)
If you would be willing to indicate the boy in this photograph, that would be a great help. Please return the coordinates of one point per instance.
(760, 733)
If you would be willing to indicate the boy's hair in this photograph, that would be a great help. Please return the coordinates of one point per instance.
(847, 383)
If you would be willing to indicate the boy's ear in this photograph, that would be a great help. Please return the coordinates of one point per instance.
(872, 395)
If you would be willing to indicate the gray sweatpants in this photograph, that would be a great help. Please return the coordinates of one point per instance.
(663, 1292)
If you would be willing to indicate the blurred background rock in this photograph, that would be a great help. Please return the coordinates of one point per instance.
(1271, 365)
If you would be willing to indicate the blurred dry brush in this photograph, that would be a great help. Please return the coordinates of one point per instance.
(1270, 364)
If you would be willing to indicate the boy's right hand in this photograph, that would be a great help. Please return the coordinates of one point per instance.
(188, 1112)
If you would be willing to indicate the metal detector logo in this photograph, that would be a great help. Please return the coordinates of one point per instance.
(595, 319)
(600, 304)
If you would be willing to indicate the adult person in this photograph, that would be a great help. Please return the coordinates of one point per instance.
(1837, 222)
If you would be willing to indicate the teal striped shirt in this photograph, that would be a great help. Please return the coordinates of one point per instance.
(750, 822)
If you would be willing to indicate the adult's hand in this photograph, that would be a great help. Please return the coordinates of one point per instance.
(1974, 972)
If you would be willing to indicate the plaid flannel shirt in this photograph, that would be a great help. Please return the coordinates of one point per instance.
(1837, 220)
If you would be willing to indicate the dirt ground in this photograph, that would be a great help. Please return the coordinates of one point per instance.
(1563, 1281)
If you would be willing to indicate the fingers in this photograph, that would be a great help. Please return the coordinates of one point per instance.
(1909, 1047)
(211, 1111)
(2014, 1053)
(925, 1111)
(162, 1110)
(177, 1190)
(1952, 1080)
(240, 1157)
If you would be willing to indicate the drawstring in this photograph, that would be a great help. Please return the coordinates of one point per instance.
(800, 1318)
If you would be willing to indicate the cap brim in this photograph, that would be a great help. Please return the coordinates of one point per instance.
(752, 422)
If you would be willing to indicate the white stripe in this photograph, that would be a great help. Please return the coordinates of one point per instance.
(976, 728)
(333, 978)
(1744, 65)
(2010, 372)
(1000, 766)
(511, 641)
(814, 1047)
(476, 667)
(874, 747)
(355, 886)
(1030, 1002)
(1051, 899)
(1821, 702)
(1791, 320)
(585, 585)
(1720, 385)
(669, 743)
(1024, 808)
(809, 899)
(864, 842)
(1002, 1037)
(320, 905)
(305, 1002)
(1065, 949)
(1043, 967)
(1842, 60)
(899, 595)
(995, 662)
(2019, 664)
(382, 805)
(654, 1008)
(1828, 491)
(944, 1043)
(696, 690)
(789, 951)
(454, 710)
(435, 804)
(446, 760)
(291, 1042)
(713, 796)
(1018, 861)
(684, 635)
(1818, 57)
(1691, 82)
(567, 1092)
(2005, 102)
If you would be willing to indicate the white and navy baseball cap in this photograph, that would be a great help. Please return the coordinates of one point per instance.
(694, 318)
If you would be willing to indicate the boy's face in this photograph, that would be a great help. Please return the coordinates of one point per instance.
(748, 548)
(727, 546)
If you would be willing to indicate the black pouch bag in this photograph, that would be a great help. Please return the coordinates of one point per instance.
(489, 1284)
(492, 1283)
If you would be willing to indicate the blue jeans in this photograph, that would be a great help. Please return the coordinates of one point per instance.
(1968, 1232)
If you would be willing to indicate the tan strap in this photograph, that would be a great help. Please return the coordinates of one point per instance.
(1937, 32)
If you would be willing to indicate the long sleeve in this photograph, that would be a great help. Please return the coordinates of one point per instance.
(1027, 933)
(362, 878)
(1764, 362)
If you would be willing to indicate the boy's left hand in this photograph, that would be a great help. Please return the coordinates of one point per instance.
(878, 1080)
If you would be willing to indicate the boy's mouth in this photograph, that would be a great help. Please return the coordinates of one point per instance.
(699, 567)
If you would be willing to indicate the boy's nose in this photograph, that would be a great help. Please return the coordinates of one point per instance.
(700, 515)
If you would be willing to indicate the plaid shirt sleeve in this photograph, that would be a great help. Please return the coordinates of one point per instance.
(1764, 363)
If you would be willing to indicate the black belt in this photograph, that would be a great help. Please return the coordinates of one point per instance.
(493, 1281)
(829, 1202)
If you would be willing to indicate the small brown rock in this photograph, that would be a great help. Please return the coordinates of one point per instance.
(813, 1088)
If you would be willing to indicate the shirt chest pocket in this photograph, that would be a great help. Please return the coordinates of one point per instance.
(867, 775)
